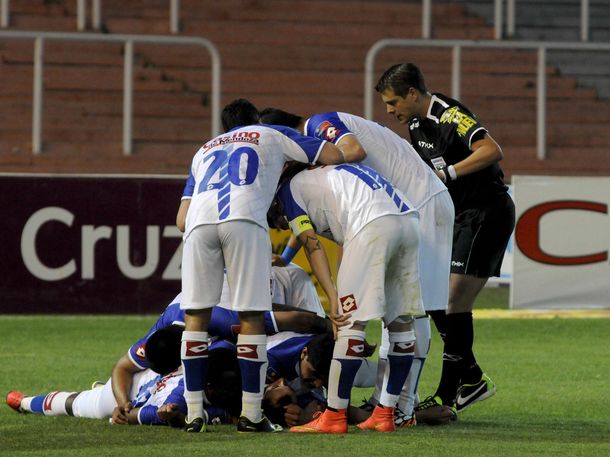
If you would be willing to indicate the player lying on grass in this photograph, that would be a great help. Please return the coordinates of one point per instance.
(156, 394)
(291, 284)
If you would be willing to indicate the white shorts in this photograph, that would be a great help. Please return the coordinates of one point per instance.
(244, 248)
(378, 276)
(436, 218)
(99, 403)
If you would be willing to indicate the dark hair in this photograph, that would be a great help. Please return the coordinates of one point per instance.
(320, 354)
(274, 116)
(239, 113)
(162, 350)
(400, 78)
(224, 380)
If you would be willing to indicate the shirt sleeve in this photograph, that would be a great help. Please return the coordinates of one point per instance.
(172, 315)
(326, 126)
(300, 144)
(189, 187)
(293, 205)
(465, 125)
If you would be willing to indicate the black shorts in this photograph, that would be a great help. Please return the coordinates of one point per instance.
(480, 236)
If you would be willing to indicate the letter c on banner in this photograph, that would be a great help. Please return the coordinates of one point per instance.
(527, 232)
(28, 244)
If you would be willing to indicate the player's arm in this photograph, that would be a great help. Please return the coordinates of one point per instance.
(181, 215)
(330, 155)
(484, 152)
(122, 377)
(321, 269)
(292, 248)
(351, 148)
(301, 322)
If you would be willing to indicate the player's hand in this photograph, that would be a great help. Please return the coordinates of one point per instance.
(292, 415)
(119, 413)
(167, 412)
(277, 261)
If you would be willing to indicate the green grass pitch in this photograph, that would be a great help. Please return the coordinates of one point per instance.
(553, 378)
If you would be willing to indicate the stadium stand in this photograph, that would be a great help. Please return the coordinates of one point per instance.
(306, 57)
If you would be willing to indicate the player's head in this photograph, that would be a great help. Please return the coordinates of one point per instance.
(400, 78)
(402, 88)
(277, 396)
(274, 116)
(275, 216)
(239, 113)
(223, 387)
(315, 360)
(162, 349)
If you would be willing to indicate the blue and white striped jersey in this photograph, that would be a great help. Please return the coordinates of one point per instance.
(236, 174)
(339, 200)
(386, 152)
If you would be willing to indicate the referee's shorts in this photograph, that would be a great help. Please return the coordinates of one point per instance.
(480, 236)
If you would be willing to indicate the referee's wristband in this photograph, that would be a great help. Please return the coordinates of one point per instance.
(449, 173)
(288, 254)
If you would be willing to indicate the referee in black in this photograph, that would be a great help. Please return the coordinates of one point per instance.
(450, 138)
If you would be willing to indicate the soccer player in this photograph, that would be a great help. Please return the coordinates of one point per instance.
(453, 142)
(235, 178)
(378, 277)
(373, 145)
(224, 324)
(156, 393)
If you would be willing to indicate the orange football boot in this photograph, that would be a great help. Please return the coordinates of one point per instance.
(326, 422)
(381, 420)
(13, 399)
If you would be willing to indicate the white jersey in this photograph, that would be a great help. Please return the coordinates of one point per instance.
(339, 200)
(235, 174)
(386, 152)
(291, 285)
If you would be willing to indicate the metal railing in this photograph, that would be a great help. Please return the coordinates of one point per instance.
(174, 17)
(457, 46)
(129, 41)
(96, 15)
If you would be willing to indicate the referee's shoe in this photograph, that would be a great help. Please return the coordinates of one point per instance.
(469, 394)
(245, 425)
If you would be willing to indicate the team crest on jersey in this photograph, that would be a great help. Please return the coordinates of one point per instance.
(326, 131)
(348, 303)
(141, 351)
(464, 121)
(247, 351)
(355, 348)
(196, 348)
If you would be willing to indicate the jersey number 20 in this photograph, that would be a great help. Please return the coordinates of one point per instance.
(228, 167)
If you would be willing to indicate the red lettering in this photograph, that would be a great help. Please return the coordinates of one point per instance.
(527, 232)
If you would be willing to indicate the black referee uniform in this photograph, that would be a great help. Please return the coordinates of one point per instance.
(484, 212)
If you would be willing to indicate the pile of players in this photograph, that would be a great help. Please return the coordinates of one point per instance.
(422, 226)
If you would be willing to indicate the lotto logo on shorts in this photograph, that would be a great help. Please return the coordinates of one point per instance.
(247, 351)
(404, 348)
(355, 348)
(348, 303)
(196, 348)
